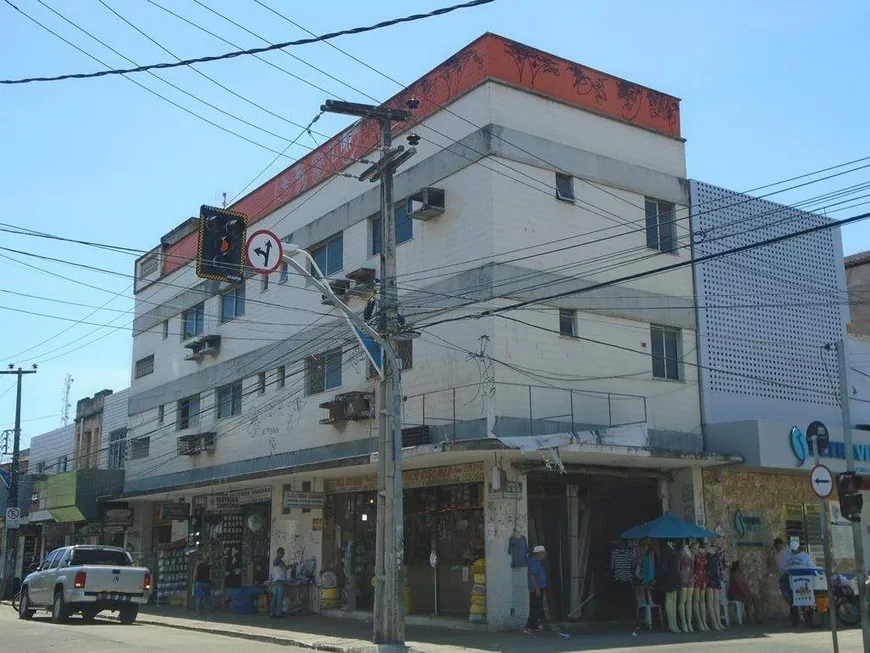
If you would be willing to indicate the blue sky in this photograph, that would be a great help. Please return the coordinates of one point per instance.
(770, 90)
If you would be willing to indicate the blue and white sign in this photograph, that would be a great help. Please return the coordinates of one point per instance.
(799, 446)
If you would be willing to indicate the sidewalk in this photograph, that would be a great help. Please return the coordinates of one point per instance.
(350, 635)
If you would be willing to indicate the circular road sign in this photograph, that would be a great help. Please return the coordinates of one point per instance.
(264, 252)
(818, 432)
(822, 481)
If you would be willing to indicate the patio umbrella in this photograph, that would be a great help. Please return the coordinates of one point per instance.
(667, 527)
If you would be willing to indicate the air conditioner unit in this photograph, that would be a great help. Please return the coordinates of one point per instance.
(196, 443)
(415, 436)
(200, 346)
(339, 287)
(426, 203)
(349, 407)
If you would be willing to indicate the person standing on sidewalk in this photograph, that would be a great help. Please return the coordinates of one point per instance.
(537, 587)
(202, 584)
(278, 578)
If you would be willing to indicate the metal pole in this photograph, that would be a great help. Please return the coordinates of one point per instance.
(826, 548)
(12, 496)
(850, 467)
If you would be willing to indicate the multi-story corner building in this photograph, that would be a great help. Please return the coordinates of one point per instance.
(564, 422)
(766, 320)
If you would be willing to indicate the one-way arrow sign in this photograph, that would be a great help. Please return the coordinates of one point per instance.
(822, 481)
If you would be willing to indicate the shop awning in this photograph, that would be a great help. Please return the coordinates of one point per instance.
(66, 514)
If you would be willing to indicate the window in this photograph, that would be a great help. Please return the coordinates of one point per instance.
(40, 468)
(192, 322)
(404, 228)
(53, 559)
(229, 400)
(281, 374)
(145, 366)
(165, 329)
(564, 187)
(665, 352)
(101, 557)
(264, 283)
(161, 414)
(568, 322)
(329, 256)
(323, 372)
(661, 226)
(187, 412)
(803, 520)
(405, 350)
(284, 274)
(62, 464)
(261, 383)
(233, 304)
(140, 448)
(117, 449)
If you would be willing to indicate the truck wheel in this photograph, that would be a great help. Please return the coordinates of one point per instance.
(128, 614)
(24, 610)
(59, 612)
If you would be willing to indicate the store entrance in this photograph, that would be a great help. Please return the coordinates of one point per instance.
(579, 519)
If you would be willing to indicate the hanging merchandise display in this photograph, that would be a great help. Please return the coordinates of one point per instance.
(478, 592)
(172, 574)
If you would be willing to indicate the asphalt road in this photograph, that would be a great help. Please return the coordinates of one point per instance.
(41, 636)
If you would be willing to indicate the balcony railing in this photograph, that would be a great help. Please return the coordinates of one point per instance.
(462, 412)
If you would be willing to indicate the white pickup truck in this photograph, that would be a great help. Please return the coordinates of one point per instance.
(85, 579)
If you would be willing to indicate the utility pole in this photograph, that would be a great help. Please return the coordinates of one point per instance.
(12, 494)
(850, 467)
(389, 612)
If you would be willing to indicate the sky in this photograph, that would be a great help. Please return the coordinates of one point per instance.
(769, 90)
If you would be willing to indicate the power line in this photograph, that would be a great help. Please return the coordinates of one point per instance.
(250, 51)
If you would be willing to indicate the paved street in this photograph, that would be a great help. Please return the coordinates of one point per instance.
(105, 636)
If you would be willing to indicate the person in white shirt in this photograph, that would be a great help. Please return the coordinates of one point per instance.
(277, 578)
(797, 558)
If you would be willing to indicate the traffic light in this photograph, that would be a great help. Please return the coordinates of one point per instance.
(849, 489)
(221, 248)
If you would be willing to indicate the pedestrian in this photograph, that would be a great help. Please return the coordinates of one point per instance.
(537, 587)
(277, 580)
(777, 556)
(202, 584)
(739, 590)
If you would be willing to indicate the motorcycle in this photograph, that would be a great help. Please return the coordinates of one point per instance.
(809, 596)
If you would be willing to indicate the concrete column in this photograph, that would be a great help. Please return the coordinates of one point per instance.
(507, 599)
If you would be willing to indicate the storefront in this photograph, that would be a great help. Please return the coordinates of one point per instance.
(770, 496)
(444, 536)
(579, 519)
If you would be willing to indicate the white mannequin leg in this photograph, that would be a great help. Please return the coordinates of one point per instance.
(671, 611)
(700, 608)
(711, 609)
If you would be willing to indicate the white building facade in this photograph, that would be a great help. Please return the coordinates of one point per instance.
(566, 421)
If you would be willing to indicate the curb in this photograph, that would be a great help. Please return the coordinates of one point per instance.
(268, 639)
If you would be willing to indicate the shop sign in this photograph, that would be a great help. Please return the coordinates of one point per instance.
(803, 449)
(222, 503)
(294, 499)
(412, 478)
(118, 517)
(252, 495)
(510, 488)
(174, 511)
(750, 531)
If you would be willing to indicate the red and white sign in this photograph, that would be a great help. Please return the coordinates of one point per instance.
(264, 251)
(822, 481)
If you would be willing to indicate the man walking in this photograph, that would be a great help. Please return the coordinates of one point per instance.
(278, 577)
(537, 588)
(202, 584)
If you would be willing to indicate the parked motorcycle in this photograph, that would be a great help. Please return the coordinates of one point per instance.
(809, 596)
(847, 603)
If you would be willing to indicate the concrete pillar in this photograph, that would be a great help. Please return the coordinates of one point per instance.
(506, 511)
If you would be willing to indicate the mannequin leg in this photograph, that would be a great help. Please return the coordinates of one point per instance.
(696, 613)
(687, 609)
(700, 609)
(717, 604)
(711, 610)
(681, 610)
(671, 611)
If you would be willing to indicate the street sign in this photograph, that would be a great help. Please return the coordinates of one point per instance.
(822, 481)
(818, 432)
(13, 518)
(264, 252)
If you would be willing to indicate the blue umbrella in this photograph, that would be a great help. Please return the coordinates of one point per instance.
(667, 527)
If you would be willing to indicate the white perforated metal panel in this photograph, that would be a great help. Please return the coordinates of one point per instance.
(769, 310)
